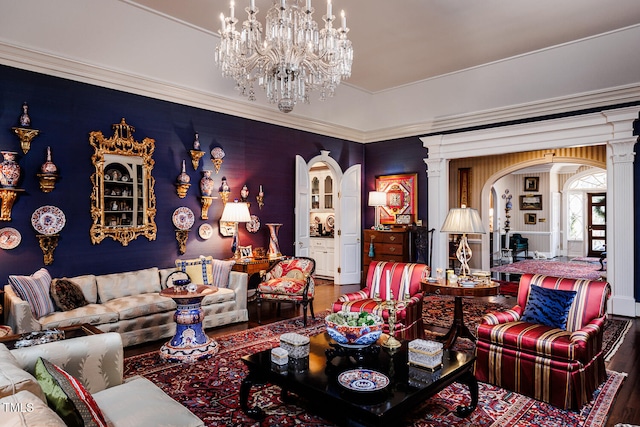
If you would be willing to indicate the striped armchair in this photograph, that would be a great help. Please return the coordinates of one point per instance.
(405, 287)
(558, 366)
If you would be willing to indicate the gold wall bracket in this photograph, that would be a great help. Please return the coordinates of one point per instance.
(181, 189)
(26, 135)
(196, 155)
(47, 181)
(48, 244)
(205, 201)
(182, 236)
(8, 196)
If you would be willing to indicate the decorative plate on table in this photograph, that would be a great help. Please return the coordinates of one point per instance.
(205, 231)
(9, 238)
(254, 225)
(183, 218)
(48, 220)
(363, 380)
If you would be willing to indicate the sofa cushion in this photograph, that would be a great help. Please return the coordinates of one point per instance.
(13, 378)
(221, 269)
(140, 305)
(118, 285)
(88, 285)
(199, 270)
(34, 289)
(222, 295)
(94, 314)
(164, 274)
(34, 412)
(67, 396)
(139, 402)
(67, 294)
(549, 307)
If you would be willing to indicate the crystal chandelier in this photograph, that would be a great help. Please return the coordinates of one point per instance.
(290, 59)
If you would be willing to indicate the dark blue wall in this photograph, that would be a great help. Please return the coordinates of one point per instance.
(404, 155)
(65, 112)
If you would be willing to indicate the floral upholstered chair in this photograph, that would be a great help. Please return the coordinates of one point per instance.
(405, 286)
(289, 280)
(549, 346)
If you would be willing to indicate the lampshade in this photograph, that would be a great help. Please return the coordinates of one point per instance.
(463, 221)
(377, 198)
(236, 212)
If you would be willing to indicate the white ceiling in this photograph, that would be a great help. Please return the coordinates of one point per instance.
(403, 41)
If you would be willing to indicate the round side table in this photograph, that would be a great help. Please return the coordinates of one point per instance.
(190, 343)
(458, 328)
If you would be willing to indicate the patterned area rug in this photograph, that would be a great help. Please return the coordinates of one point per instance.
(574, 270)
(210, 389)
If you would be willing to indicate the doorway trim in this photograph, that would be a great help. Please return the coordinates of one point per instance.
(611, 127)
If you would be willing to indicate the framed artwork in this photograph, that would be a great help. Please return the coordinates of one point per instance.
(401, 190)
(464, 181)
(246, 251)
(531, 202)
(530, 218)
(531, 183)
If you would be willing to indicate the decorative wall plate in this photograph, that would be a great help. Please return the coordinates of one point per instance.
(9, 238)
(254, 225)
(363, 380)
(48, 220)
(205, 231)
(183, 218)
(331, 221)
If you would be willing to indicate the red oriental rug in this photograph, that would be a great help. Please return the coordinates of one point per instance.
(574, 270)
(210, 389)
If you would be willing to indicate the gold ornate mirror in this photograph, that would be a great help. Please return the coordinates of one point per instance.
(123, 203)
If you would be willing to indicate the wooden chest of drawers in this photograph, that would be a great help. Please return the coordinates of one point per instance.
(387, 246)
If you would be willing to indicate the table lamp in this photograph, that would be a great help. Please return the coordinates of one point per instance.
(377, 199)
(236, 212)
(463, 221)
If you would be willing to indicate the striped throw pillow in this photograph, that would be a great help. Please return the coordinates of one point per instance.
(34, 289)
(221, 271)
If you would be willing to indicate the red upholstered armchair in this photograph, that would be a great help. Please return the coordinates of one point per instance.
(560, 366)
(405, 287)
(289, 280)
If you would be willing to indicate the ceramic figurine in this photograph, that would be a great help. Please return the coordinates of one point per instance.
(25, 120)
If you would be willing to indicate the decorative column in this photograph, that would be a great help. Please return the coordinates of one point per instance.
(274, 247)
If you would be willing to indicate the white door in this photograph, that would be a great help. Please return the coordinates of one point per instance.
(348, 247)
(302, 208)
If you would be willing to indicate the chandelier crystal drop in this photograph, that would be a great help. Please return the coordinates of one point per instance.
(289, 59)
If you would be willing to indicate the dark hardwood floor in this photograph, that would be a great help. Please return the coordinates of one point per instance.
(626, 408)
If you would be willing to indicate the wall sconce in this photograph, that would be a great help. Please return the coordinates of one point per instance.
(217, 154)
(235, 213)
(24, 132)
(260, 198)
(224, 190)
(48, 174)
(376, 200)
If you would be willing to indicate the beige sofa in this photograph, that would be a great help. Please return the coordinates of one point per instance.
(96, 361)
(129, 303)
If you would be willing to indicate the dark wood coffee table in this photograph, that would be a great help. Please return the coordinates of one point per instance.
(315, 381)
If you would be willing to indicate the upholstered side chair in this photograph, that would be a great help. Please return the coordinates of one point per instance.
(289, 280)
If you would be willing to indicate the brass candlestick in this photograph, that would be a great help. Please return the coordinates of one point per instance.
(391, 342)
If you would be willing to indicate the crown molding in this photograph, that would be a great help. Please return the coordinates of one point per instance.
(45, 63)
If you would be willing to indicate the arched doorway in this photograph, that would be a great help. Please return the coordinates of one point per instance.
(346, 201)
